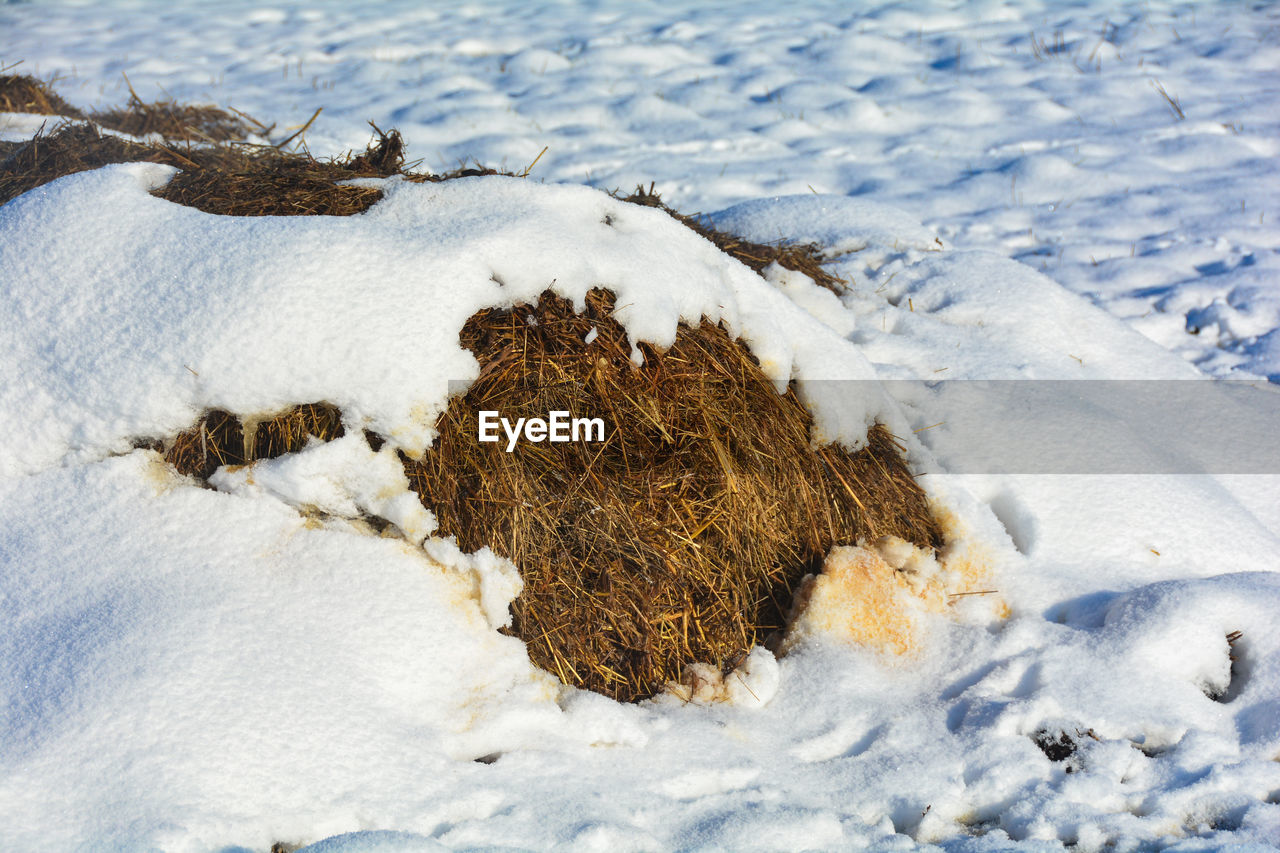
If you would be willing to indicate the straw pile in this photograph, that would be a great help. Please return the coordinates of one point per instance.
(70, 148)
(679, 538)
(172, 120)
(229, 180)
(21, 93)
(254, 180)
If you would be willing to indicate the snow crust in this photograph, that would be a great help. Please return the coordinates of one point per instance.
(1008, 194)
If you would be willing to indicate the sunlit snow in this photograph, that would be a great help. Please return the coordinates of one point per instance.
(1014, 191)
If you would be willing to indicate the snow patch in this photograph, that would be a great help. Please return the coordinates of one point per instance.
(343, 477)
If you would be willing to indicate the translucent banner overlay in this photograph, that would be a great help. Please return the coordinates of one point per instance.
(1022, 426)
(1090, 426)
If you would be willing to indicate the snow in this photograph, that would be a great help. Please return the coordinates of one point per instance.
(362, 312)
(343, 477)
(826, 221)
(1011, 198)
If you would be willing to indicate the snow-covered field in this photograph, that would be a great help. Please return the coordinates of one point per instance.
(1014, 191)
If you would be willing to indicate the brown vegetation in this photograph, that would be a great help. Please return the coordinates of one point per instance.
(21, 93)
(679, 538)
(220, 438)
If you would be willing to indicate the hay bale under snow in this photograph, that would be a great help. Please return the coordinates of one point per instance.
(679, 538)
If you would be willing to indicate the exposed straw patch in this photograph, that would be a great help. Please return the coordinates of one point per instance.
(802, 257)
(264, 181)
(21, 93)
(250, 180)
(268, 182)
(172, 120)
(70, 148)
(679, 538)
(220, 438)
(229, 180)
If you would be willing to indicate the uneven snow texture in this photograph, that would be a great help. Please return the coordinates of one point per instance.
(1036, 130)
(165, 311)
(190, 669)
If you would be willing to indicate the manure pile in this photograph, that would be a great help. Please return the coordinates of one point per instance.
(678, 539)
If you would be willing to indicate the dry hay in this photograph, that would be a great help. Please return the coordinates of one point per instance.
(69, 148)
(248, 180)
(172, 120)
(235, 180)
(21, 93)
(241, 180)
(79, 146)
(680, 537)
(220, 438)
(806, 258)
(265, 181)
(229, 180)
(268, 182)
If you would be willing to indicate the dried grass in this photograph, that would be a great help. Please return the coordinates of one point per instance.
(679, 538)
(245, 180)
(269, 182)
(806, 258)
(21, 93)
(265, 181)
(69, 148)
(229, 180)
(172, 120)
(242, 180)
(220, 438)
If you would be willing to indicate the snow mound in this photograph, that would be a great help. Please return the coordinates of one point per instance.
(836, 223)
(137, 314)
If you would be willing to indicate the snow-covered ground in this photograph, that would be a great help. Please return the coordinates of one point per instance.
(1015, 191)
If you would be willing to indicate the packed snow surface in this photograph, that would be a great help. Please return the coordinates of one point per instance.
(1013, 191)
